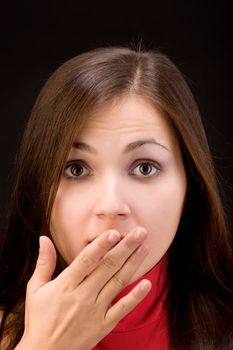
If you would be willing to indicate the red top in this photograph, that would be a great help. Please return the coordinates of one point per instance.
(146, 326)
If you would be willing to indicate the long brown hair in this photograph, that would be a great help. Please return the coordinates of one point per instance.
(200, 263)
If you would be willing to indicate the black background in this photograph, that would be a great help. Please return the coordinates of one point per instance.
(36, 37)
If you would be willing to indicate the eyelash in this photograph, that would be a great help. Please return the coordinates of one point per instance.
(82, 163)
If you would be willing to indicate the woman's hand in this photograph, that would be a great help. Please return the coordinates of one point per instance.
(74, 311)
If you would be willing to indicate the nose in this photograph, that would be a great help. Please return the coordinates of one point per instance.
(111, 203)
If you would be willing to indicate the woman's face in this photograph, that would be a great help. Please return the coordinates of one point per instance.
(118, 182)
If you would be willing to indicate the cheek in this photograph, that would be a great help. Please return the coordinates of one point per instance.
(161, 215)
(65, 229)
(169, 207)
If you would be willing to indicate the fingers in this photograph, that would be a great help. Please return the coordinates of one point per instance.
(88, 259)
(45, 265)
(113, 262)
(122, 278)
(127, 303)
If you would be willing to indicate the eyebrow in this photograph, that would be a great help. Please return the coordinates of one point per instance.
(129, 148)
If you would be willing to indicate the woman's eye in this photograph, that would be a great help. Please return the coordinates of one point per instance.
(147, 168)
(75, 170)
(79, 169)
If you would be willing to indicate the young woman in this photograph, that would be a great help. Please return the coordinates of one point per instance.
(114, 143)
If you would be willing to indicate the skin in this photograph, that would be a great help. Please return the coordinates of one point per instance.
(93, 226)
(105, 194)
(82, 292)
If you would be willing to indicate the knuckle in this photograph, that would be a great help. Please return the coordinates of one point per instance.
(41, 261)
(124, 307)
(63, 288)
(135, 296)
(111, 264)
(86, 260)
(119, 282)
(129, 243)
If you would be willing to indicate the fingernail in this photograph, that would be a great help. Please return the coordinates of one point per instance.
(145, 285)
(139, 234)
(114, 236)
(42, 244)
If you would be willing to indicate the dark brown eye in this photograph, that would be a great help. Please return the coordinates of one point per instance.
(147, 169)
(76, 170)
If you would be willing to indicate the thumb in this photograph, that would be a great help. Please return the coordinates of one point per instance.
(45, 265)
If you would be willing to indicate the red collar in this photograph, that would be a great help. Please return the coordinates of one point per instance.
(152, 308)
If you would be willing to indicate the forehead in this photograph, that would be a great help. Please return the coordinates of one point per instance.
(129, 115)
